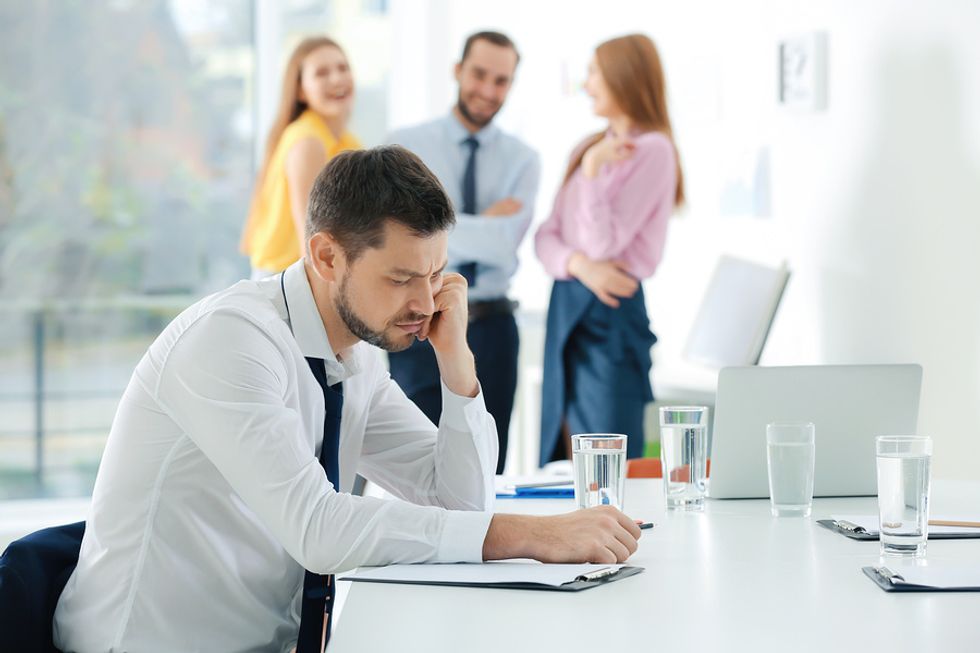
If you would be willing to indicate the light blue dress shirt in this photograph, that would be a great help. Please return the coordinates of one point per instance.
(505, 167)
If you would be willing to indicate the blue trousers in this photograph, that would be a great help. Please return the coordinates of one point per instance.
(495, 345)
(596, 367)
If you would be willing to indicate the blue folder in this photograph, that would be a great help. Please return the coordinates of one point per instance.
(539, 493)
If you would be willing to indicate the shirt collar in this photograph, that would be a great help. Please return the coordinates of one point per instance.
(307, 326)
(633, 132)
(458, 133)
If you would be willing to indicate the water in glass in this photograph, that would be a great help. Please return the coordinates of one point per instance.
(903, 503)
(599, 477)
(790, 478)
(684, 457)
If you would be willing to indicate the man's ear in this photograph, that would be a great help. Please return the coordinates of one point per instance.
(458, 71)
(326, 256)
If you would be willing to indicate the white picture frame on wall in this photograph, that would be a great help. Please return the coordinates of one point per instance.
(802, 77)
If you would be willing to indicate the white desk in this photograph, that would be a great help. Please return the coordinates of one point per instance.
(729, 579)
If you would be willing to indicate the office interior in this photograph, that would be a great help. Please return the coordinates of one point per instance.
(839, 139)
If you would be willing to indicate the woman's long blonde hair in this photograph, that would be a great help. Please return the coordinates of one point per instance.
(634, 75)
(290, 108)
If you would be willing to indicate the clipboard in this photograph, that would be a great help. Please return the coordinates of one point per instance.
(891, 581)
(855, 532)
(516, 578)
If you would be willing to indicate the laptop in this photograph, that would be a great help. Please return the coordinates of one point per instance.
(848, 404)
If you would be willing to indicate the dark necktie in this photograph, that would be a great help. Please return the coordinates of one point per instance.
(468, 269)
(318, 589)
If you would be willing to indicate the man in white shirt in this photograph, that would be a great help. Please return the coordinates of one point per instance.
(211, 500)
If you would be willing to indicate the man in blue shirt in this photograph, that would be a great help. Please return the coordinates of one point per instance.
(492, 179)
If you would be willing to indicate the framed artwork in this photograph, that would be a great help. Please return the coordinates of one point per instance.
(803, 72)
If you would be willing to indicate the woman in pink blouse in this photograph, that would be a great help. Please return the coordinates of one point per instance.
(605, 235)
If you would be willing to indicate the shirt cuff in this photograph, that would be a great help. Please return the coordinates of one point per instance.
(463, 413)
(559, 258)
(463, 535)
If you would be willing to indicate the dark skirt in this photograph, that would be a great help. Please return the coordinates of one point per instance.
(596, 367)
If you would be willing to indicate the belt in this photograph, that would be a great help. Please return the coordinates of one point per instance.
(480, 310)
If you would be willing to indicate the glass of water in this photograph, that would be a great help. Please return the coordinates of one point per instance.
(684, 455)
(599, 461)
(903, 493)
(790, 454)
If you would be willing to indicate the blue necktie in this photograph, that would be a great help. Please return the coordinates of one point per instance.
(318, 589)
(468, 269)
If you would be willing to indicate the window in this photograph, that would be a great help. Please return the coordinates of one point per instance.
(126, 164)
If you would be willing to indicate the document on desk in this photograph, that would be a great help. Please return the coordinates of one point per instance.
(942, 578)
(499, 574)
(534, 487)
(865, 527)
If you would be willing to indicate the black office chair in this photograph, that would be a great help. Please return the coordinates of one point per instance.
(33, 573)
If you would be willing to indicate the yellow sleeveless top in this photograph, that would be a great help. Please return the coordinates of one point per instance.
(270, 237)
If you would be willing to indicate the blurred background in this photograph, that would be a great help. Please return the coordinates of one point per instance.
(130, 132)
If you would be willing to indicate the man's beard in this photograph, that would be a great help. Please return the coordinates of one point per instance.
(359, 327)
(470, 117)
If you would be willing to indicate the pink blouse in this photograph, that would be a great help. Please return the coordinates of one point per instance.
(621, 214)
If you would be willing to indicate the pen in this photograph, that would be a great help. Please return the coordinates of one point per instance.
(646, 525)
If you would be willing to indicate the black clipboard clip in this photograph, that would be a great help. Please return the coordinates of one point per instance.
(851, 527)
(598, 574)
(848, 529)
(887, 574)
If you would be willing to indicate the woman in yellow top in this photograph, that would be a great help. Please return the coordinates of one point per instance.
(310, 129)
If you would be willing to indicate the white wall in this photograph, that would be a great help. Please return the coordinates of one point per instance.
(875, 202)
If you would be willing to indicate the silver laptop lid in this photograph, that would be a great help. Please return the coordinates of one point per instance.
(848, 404)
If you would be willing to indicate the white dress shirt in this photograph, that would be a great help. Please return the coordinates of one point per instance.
(210, 500)
(505, 167)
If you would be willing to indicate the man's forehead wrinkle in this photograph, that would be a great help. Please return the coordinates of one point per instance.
(415, 273)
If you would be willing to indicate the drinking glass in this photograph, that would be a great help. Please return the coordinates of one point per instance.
(903, 493)
(683, 455)
(599, 463)
(790, 454)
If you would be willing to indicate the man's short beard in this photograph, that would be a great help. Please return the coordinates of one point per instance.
(359, 327)
(470, 117)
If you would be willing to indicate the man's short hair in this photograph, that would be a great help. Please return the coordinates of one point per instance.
(360, 190)
(497, 38)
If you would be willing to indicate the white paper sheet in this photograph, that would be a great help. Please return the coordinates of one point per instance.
(553, 575)
(505, 484)
(870, 523)
(939, 577)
